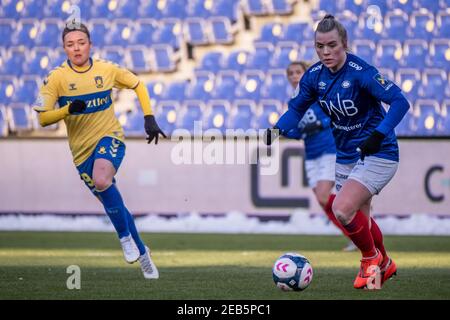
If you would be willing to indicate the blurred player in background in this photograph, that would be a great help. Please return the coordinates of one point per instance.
(315, 130)
(350, 92)
(83, 89)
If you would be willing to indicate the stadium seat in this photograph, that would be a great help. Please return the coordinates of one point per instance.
(330, 6)
(120, 33)
(156, 90)
(58, 57)
(364, 49)
(439, 54)
(222, 30)
(408, 80)
(382, 5)
(203, 86)
(396, 25)
(19, 115)
(212, 61)
(251, 83)
(103, 9)
(7, 28)
(190, 113)
(165, 58)
(405, 6)
(432, 6)
(281, 7)
(422, 25)
(226, 8)
(351, 5)
(139, 60)
(268, 113)
(407, 126)
(256, 7)
(226, 84)
(260, 58)
(15, 61)
(50, 33)
(166, 115)
(428, 114)
(174, 9)
(39, 61)
(444, 121)
(128, 9)
(169, 33)
(4, 124)
(9, 10)
(434, 84)
(415, 52)
(285, 53)
(294, 31)
(389, 54)
(27, 89)
(443, 24)
(150, 9)
(237, 60)
(134, 124)
(144, 31)
(370, 27)
(115, 54)
(216, 115)
(271, 32)
(26, 33)
(176, 91)
(276, 85)
(200, 9)
(308, 52)
(242, 114)
(197, 31)
(350, 22)
(99, 29)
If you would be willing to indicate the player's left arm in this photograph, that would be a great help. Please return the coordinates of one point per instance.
(126, 79)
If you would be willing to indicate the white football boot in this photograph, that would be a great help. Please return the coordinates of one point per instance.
(147, 266)
(130, 249)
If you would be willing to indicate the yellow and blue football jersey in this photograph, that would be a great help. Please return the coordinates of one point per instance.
(94, 86)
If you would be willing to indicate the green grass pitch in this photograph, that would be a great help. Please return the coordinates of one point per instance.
(210, 266)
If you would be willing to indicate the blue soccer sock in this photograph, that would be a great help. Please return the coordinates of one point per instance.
(115, 209)
(134, 233)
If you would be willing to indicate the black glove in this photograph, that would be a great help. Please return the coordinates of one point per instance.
(312, 127)
(152, 129)
(77, 106)
(371, 145)
(271, 135)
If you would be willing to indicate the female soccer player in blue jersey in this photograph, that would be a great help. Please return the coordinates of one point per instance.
(83, 89)
(320, 150)
(350, 92)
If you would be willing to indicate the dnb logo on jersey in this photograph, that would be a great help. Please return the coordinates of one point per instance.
(386, 84)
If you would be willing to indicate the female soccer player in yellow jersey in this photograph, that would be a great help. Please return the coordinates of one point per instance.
(83, 89)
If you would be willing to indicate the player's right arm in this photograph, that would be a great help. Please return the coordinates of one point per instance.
(46, 101)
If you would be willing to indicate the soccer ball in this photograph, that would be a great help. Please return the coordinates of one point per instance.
(292, 271)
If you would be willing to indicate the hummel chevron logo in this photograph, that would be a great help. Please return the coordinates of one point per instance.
(308, 277)
(283, 266)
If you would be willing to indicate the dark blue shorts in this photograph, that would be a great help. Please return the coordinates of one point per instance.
(107, 148)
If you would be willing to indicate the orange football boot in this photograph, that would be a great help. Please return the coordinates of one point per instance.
(388, 269)
(369, 276)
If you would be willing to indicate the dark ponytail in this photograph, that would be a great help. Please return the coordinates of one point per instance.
(329, 23)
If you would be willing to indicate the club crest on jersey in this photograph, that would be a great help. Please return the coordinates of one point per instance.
(322, 85)
(102, 150)
(98, 82)
(386, 84)
(345, 84)
(72, 86)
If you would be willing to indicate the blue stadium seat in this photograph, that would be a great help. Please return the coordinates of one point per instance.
(406, 6)
(364, 49)
(389, 54)
(169, 33)
(351, 5)
(99, 29)
(26, 33)
(444, 121)
(285, 53)
(382, 5)
(222, 30)
(330, 6)
(370, 27)
(196, 31)
(227, 8)
(19, 115)
(252, 80)
(134, 124)
(7, 28)
(8, 10)
(415, 52)
(176, 91)
(294, 31)
(199, 9)
(127, 9)
(102, 9)
(444, 4)
(350, 22)
(443, 24)
(203, 86)
(281, 7)
(150, 9)
(50, 33)
(433, 6)
(144, 31)
(4, 122)
(268, 113)
(191, 112)
(115, 54)
(308, 52)
(121, 32)
(156, 90)
(308, 33)
(237, 60)
(175, 9)
(139, 59)
(261, 57)
(276, 85)
(15, 61)
(212, 61)
(27, 89)
(439, 54)
(408, 80)
(256, 7)
(216, 115)
(58, 57)
(226, 84)
(271, 32)
(422, 24)
(407, 126)
(242, 114)
(434, 84)
(427, 118)
(396, 25)
(166, 115)
(165, 58)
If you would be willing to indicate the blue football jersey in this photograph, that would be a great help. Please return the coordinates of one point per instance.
(351, 97)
